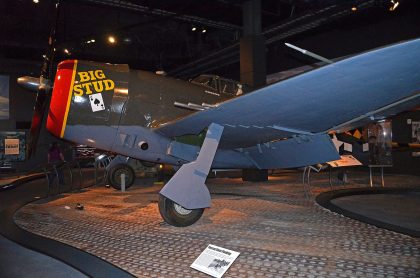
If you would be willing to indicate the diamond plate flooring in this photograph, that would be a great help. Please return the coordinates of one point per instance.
(278, 231)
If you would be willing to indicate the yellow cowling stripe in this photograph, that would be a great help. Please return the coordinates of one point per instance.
(63, 128)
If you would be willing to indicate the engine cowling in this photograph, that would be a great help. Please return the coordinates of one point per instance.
(87, 93)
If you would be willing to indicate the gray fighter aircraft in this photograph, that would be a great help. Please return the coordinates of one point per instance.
(148, 117)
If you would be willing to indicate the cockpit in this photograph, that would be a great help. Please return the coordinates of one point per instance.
(219, 84)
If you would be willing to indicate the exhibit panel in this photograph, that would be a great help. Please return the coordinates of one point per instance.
(4, 97)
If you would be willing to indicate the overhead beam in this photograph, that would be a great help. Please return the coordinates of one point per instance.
(286, 29)
(162, 13)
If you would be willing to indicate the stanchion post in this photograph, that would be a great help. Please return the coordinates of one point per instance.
(71, 175)
(123, 182)
(96, 172)
(81, 175)
(48, 180)
(382, 177)
(330, 176)
(57, 178)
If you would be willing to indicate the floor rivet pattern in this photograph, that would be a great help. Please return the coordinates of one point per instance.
(278, 232)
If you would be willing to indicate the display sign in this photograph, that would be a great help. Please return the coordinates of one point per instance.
(4, 97)
(380, 143)
(345, 161)
(11, 146)
(215, 261)
(415, 131)
(415, 127)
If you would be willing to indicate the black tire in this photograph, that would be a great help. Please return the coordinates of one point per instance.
(176, 215)
(114, 176)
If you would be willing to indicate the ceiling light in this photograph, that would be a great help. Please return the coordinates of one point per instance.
(35, 1)
(203, 31)
(393, 5)
(112, 40)
(66, 51)
(354, 8)
(194, 29)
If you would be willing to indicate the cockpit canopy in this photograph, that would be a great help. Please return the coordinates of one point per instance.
(219, 84)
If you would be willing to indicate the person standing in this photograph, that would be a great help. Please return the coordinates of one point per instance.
(55, 156)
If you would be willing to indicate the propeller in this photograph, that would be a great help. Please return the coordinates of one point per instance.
(44, 88)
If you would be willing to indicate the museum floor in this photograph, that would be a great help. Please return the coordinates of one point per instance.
(278, 231)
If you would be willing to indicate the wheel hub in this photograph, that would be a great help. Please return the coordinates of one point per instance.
(181, 210)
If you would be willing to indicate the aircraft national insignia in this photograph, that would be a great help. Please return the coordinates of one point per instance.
(96, 102)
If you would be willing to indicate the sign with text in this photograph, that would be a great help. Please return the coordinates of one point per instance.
(215, 261)
(11, 146)
(380, 143)
(345, 161)
(4, 97)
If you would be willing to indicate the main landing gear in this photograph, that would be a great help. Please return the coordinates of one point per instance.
(183, 199)
(177, 215)
(115, 172)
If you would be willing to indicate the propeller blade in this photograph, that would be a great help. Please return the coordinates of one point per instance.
(37, 118)
(43, 88)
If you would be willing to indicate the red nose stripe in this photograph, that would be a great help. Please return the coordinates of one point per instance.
(61, 97)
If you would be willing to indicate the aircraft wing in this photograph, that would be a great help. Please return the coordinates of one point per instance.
(337, 97)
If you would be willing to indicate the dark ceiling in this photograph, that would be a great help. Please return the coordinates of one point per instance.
(155, 35)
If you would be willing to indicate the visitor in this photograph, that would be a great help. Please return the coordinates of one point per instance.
(55, 157)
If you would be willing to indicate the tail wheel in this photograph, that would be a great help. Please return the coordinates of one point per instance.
(114, 176)
(177, 215)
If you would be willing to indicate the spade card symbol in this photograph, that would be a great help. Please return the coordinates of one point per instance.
(97, 102)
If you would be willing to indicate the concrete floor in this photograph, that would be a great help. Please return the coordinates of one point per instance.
(278, 231)
(30, 263)
(18, 261)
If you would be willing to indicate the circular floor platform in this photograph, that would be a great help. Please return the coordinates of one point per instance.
(396, 209)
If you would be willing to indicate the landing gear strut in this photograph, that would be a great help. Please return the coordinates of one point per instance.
(176, 215)
(183, 199)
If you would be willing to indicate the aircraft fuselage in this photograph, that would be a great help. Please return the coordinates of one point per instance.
(113, 108)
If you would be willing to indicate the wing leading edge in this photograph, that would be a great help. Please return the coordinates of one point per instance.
(336, 97)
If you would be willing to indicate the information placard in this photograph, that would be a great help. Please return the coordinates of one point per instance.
(11, 146)
(215, 261)
(345, 161)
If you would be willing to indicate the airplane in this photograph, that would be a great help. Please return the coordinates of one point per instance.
(208, 124)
